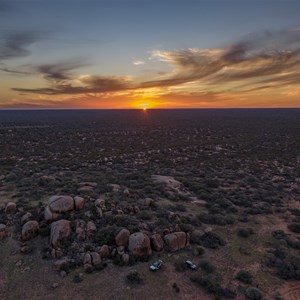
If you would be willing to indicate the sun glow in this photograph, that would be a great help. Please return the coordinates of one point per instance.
(143, 105)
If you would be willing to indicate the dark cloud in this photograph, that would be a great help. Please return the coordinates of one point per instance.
(60, 71)
(5, 69)
(90, 84)
(15, 44)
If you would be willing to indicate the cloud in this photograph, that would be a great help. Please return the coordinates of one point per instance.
(6, 69)
(14, 45)
(253, 57)
(255, 62)
(59, 72)
(138, 62)
(82, 85)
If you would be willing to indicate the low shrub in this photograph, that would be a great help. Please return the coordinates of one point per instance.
(212, 240)
(244, 276)
(278, 234)
(253, 293)
(244, 232)
(207, 266)
(134, 277)
(294, 227)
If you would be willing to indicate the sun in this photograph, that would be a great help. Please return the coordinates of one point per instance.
(143, 106)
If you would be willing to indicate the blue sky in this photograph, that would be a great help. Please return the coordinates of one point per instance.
(106, 38)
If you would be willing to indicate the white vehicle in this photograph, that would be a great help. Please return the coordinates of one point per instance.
(190, 264)
(156, 265)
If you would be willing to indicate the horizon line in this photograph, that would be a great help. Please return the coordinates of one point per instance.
(148, 109)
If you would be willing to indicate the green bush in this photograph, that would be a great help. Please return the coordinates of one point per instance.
(294, 227)
(207, 266)
(253, 293)
(134, 277)
(244, 276)
(278, 234)
(244, 232)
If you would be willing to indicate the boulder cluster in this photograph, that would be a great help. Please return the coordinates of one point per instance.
(73, 225)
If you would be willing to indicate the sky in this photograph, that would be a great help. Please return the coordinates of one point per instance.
(119, 54)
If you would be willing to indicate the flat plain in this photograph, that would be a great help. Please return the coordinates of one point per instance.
(218, 187)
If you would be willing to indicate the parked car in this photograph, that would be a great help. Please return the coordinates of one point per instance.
(156, 265)
(190, 264)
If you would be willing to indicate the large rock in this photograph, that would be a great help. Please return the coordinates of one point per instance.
(176, 240)
(10, 208)
(30, 230)
(104, 251)
(60, 230)
(79, 202)
(96, 258)
(122, 237)
(157, 242)
(61, 204)
(139, 244)
(2, 232)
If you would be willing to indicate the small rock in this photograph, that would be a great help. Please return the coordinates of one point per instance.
(30, 230)
(10, 208)
(60, 264)
(126, 192)
(104, 251)
(91, 228)
(100, 203)
(125, 258)
(96, 258)
(79, 202)
(63, 274)
(3, 233)
(27, 217)
(87, 259)
(60, 230)
(122, 237)
(55, 285)
(121, 250)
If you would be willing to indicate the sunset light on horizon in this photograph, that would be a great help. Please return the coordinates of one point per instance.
(149, 54)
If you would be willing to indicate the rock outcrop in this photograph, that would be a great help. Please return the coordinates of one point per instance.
(30, 230)
(60, 230)
(139, 244)
(62, 204)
